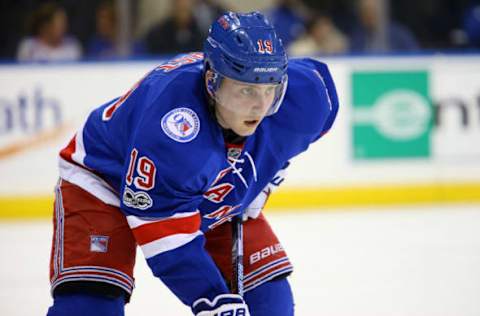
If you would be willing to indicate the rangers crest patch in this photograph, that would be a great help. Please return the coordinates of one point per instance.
(181, 124)
(98, 243)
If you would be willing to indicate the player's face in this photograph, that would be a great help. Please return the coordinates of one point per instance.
(242, 106)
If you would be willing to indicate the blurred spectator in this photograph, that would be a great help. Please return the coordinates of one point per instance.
(471, 25)
(342, 12)
(48, 40)
(205, 12)
(105, 44)
(367, 36)
(289, 18)
(179, 32)
(436, 23)
(322, 37)
(81, 18)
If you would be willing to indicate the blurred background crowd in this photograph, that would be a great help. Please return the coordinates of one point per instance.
(66, 30)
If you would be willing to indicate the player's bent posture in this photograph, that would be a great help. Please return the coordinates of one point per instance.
(200, 139)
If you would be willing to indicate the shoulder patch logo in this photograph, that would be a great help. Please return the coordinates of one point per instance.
(181, 124)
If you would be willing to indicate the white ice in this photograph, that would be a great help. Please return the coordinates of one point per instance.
(416, 261)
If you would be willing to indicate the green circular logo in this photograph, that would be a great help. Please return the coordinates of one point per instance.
(401, 114)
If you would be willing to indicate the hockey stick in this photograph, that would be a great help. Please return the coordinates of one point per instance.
(237, 255)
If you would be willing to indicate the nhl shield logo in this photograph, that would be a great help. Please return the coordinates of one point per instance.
(98, 243)
(181, 124)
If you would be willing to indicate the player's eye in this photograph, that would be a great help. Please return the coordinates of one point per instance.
(248, 91)
(270, 90)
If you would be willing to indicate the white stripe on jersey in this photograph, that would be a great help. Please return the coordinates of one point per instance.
(88, 181)
(158, 246)
(135, 221)
(79, 154)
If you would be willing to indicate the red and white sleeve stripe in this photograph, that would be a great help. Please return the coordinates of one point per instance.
(160, 235)
(75, 150)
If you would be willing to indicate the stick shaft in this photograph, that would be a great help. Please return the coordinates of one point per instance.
(237, 255)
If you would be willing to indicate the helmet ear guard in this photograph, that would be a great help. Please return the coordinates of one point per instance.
(212, 82)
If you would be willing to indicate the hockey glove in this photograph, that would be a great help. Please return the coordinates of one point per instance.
(222, 305)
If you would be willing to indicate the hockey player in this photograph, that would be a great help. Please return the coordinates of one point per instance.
(200, 139)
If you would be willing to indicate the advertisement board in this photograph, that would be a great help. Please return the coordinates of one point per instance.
(409, 126)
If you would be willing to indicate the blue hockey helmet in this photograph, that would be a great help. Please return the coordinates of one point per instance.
(245, 48)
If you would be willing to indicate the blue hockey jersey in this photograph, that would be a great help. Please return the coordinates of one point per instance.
(159, 155)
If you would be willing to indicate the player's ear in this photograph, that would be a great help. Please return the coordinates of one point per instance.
(209, 82)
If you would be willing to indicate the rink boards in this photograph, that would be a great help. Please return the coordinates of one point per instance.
(408, 131)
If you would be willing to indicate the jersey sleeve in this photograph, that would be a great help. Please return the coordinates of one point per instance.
(162, 187)
(314, 97)
(331, 96)
(309, 108)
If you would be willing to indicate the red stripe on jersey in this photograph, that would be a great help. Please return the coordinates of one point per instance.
(156, 230)
(270, 270)
(67, 152)
(112, 108)
(239, 146)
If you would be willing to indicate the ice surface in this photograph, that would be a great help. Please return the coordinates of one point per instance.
(386, 262)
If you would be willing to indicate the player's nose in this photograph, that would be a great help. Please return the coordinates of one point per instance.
(262, 103)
